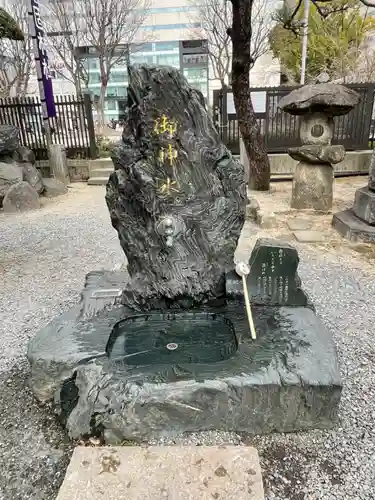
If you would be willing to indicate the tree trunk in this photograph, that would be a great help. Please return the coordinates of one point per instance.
(259, 166)
(103, 89)
(100, 108)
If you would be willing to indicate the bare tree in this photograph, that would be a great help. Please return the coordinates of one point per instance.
(216, 17)
(111, 27)
(66, 27)
(16, 57)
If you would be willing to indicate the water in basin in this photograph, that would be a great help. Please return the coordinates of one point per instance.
(172, 338)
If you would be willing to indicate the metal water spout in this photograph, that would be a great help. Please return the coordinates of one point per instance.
(167, 229)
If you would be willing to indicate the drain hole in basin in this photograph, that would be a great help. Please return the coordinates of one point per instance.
(172, 338)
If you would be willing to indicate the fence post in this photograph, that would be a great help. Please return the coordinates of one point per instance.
(90, 124)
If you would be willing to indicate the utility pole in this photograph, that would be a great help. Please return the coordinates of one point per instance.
(305, 22)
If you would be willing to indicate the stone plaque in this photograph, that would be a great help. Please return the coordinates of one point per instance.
(273, 278)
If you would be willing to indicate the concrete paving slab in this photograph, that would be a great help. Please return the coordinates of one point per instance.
(299, 224)
(309, 236)
(163, 473)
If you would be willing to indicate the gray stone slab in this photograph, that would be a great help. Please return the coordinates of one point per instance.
(309, 236)
(273, 279)
(299, 224)
(153, 473)
(286, 380)
(353, 228)
(364, 205)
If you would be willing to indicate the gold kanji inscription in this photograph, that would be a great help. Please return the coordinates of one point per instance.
(163, 124)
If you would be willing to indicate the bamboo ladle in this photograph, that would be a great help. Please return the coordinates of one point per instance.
(242, 269)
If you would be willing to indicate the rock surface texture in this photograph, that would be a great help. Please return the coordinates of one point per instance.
(53, 188)
(17, 164)
(165, 348)
(328, 98)
(311, 153)
(177, 197)
(21, 197)
(318, 104)
(9, 175)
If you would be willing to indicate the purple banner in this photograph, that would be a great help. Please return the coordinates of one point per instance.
(43, 70)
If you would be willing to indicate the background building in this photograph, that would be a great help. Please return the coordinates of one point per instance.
(167, 30)
(171, 34)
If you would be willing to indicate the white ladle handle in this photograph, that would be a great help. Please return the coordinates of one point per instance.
(248, 308)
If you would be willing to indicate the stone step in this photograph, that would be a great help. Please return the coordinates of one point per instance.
(101, 172)
(149, 473)
(97, 181)
(102, 163)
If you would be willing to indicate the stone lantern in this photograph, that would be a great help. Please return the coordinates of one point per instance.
(317, 105)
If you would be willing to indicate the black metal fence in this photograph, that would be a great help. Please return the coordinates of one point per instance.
(281, 131)
(73, 126)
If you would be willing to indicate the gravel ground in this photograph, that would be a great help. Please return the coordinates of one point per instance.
(44, 257)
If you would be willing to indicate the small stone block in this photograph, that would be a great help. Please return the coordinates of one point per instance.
(103, 289)
(111, 293)
(299, 224)
(308, 236)
(352, 228)
(364, 205)
(265, 221)
(178, 473)
(53, 188)
(252, 208)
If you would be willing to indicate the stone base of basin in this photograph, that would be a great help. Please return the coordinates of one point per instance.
(312, 187)
(286, 380)
(352, 227)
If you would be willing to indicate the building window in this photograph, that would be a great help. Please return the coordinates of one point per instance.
(168, 60)
(195, 58)
(94, 78)
(140, 58)
(118, 77)
(166, 46)
(122, 92)
(159, 10)
(141, 47)
(111, 105)
(196, 74)
(171, 26)
(92, 64)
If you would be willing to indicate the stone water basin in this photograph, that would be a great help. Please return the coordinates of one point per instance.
(172, 338)
(112, 373)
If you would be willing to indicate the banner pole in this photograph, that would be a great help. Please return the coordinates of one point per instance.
(40, 45)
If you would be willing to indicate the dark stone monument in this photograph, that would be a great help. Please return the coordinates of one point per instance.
(177, 197)
(166, 348)
(358, 223)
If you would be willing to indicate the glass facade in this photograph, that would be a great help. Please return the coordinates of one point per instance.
(160, 53)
